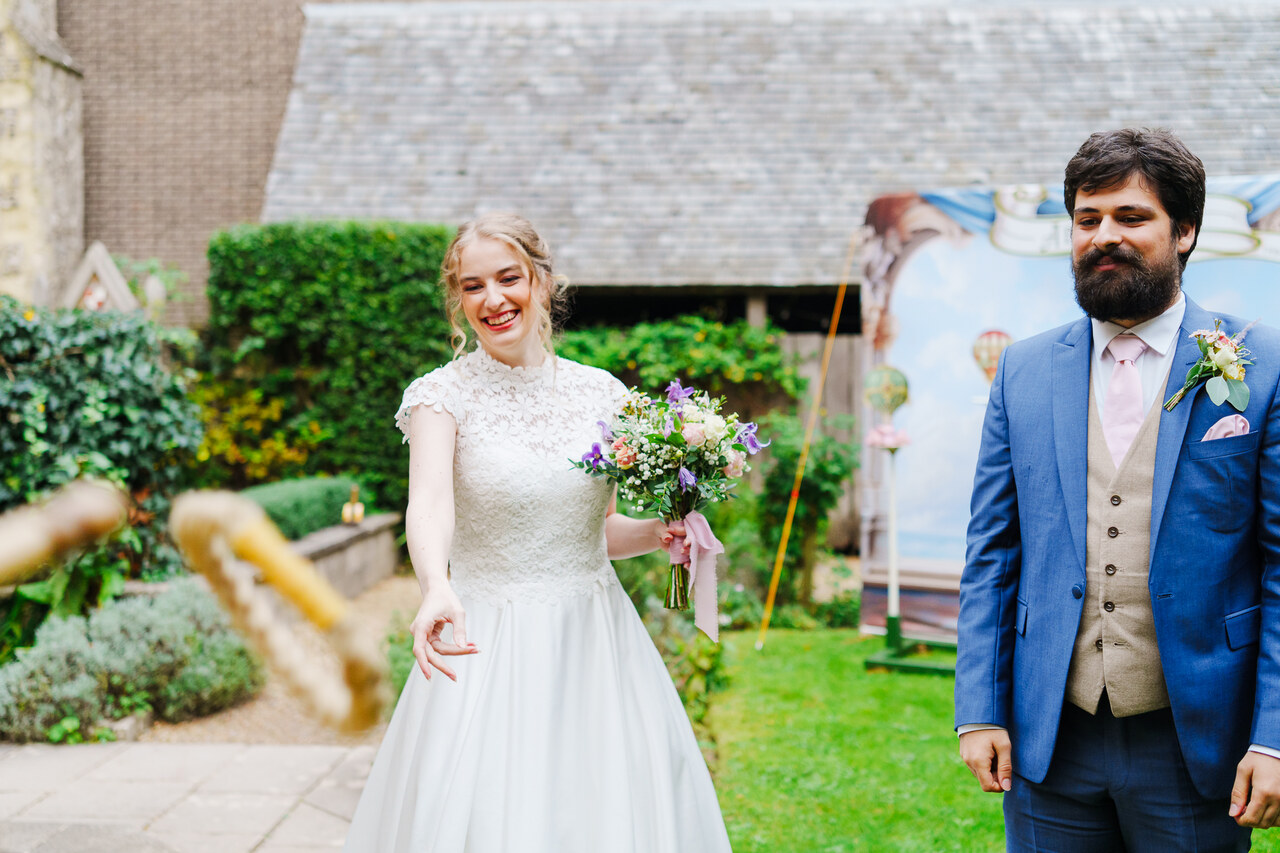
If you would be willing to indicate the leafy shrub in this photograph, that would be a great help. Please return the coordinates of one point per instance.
(136, 274)
(744, 363)
(174, 653)
(695, 663)
(843, 611)
(84, 393)
(830, 464)
(248, 438)
(740, 607)
(335, 319)
(792, 616)
(299, 507)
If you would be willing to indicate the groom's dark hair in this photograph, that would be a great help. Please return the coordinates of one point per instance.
(1108, 159)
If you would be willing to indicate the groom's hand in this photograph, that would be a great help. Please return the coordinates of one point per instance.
(990, 758)
(1255, 797)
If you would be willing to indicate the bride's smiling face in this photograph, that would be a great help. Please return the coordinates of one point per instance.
(499, 301)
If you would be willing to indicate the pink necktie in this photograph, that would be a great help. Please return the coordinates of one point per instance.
(1122, 414)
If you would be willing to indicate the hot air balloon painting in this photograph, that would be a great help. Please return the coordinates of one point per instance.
(987, 349)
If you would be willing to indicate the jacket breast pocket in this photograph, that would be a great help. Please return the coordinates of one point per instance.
(1218, 478)
(1243, 627)
(1219, 447)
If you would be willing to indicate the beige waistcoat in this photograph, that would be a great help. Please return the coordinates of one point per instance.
(1115, 647)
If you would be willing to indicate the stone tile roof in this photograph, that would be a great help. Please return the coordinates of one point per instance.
(738, 141)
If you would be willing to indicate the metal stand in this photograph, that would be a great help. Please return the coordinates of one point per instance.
(894, 656)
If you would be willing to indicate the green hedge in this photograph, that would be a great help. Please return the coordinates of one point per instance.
(84, 393)
(335, 318)
(174, 654)
(743, 362)
(303, 506)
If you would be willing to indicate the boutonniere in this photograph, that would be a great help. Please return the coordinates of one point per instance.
(1220, 368)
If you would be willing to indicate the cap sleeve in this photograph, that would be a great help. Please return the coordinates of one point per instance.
(437, 389)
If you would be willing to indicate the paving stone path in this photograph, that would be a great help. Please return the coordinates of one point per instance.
(178, 798)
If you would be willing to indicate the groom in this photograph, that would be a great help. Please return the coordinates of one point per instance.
(1119, 663)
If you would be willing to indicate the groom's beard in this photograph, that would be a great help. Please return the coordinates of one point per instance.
(1136, 290)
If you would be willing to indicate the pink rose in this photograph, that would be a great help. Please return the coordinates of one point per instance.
(737, 464)
(695, 434)
(623, 455)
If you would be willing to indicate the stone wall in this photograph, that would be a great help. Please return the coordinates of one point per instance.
(41, 154)
(59, 172)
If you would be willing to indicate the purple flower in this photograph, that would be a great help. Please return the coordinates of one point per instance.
(605, 432)
(594, 458)
(668, 426)
(677, 392)
(747, 438)
(685, 479)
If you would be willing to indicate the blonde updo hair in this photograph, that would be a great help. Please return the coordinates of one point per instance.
(518, 233)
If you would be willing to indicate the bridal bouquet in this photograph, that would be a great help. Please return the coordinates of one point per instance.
(676, 456)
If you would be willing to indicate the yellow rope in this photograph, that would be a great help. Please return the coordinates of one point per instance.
(213, 528)
(808, 440)
(76, 515)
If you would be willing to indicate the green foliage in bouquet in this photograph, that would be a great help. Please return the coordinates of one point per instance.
(742, 362)
(831, 463)
(305, 505)
(84, 393)
(175, 655)
(334, 319)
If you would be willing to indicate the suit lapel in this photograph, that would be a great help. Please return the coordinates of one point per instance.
(1070, 396)
(1173, 425)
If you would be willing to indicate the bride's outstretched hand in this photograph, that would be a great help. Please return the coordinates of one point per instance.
(439, 608)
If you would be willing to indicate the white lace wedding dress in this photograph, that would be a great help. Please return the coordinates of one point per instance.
(565, 733)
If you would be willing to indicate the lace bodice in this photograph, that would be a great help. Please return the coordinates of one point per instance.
(528, 525)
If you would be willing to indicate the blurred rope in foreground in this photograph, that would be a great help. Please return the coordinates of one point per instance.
(213, 529)
(77, 515)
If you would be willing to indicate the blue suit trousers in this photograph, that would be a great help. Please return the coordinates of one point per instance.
(1117, 785)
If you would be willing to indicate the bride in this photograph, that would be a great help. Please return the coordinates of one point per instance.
(556, 728)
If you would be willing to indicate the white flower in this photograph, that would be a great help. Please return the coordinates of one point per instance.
(716, 428)
(1225, 356)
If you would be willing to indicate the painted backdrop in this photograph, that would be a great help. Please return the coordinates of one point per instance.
(945, 267)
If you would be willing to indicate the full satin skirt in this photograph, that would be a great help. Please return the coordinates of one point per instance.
(563, 735)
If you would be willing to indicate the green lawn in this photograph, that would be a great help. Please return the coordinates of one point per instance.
(816, 755)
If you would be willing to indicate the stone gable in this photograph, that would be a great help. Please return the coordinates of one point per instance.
(738, 143)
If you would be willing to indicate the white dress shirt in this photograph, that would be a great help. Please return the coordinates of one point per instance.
(1160, 334)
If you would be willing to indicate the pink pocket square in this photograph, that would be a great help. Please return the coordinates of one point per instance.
(1227, 427)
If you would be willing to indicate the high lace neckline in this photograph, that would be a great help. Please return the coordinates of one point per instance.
(490, 366)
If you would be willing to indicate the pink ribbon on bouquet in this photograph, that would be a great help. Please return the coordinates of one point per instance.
(703, 547)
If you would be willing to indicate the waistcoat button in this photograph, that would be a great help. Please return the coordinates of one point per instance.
(1109, 606)
(1113, 532)
(1098, 645)
(1115, 500)
(1110, 569)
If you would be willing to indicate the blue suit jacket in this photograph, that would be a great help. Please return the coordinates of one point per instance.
(1215, 554)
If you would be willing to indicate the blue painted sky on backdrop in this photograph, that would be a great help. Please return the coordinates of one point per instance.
(950, 291)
